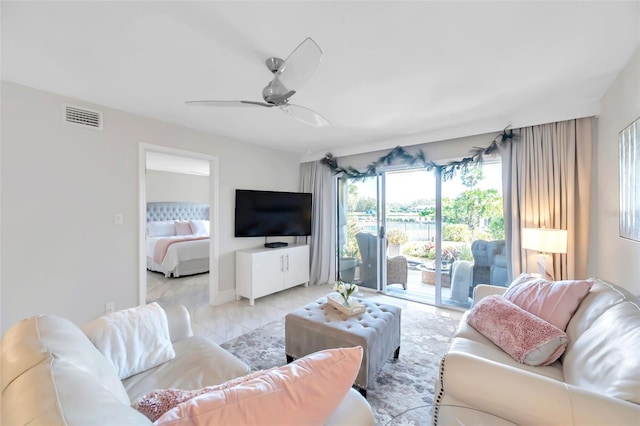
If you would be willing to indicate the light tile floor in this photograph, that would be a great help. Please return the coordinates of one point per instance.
(225, 322)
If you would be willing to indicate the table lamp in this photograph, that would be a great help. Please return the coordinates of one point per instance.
(545, 241)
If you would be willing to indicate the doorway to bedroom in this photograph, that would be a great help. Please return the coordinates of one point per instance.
(178, 212)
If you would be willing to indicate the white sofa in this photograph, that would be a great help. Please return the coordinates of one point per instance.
(596, 381)
(53, 375)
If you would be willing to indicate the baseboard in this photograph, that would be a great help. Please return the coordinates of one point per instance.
(224, 297)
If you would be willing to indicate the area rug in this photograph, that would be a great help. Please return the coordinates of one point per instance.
(402, 393)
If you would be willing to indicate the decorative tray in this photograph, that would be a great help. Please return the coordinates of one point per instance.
(355, 308)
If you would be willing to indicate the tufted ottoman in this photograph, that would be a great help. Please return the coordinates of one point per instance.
(318, 325)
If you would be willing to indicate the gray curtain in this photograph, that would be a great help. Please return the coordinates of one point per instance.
(546, 179)
(318, 180)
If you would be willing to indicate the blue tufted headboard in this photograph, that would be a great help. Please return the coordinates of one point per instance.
(172, 210)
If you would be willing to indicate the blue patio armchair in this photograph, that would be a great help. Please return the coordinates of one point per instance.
(489, 263)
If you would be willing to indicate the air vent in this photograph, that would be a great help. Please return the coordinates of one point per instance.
(82, 117)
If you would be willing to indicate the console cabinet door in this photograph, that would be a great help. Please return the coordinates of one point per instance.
(296, 266)
(260, 272)
(268, 272)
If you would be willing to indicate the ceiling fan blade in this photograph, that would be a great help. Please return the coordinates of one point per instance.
(300, 65)
(305, 115)
(229, 103)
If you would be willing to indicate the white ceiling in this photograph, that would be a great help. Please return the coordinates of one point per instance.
(393, 73)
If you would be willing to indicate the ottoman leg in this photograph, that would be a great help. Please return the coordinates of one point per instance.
(289, 359)
(396, 354)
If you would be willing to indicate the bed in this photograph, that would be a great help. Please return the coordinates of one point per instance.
(177, 238)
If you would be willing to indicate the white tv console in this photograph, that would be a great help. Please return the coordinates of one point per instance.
(263, 271)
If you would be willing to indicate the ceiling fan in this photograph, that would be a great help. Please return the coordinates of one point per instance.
(288, 76)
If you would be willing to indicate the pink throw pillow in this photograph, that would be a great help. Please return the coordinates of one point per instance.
(183, 228)
(306, 391)
(553, 301)
(156, 403)
(527, 338)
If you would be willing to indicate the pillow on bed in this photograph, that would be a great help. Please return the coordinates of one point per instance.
(200, 227)
(165, 228)
(183, 227)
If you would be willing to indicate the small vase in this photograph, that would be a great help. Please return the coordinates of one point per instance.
(346, 302)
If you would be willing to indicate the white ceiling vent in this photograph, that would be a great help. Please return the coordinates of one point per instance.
(82, 117)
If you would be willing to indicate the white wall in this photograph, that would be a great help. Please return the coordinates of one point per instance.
(614, 258)
(62, 184)
(169, 186)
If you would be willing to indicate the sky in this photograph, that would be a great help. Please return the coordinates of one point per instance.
(406, 186)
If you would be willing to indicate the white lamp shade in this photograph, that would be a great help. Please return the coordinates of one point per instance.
(545, 240)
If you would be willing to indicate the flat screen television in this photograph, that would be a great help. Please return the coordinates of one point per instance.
(272, 213)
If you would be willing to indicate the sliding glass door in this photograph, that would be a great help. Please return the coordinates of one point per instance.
(415, 268)
(387, 233)
(359, 232)
(410, 234)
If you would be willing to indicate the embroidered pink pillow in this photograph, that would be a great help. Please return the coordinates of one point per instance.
(553, 301)
(306, 391)
(527, 338)
(156, 403)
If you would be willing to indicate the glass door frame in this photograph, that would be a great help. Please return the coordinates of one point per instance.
(342, 193)
(382, 232)
(381, 228)
(440, 294)
(438, 259)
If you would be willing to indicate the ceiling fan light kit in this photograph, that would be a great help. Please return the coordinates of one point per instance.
(288, 76)
(275, 93)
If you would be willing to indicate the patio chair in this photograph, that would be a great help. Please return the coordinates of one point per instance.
(397, 266)
(489, 263)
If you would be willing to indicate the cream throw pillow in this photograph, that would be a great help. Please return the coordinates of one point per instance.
(133, 340)
(200, 227)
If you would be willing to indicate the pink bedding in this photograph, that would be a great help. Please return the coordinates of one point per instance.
(160, 250)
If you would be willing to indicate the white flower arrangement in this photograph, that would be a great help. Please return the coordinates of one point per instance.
(345, 290)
